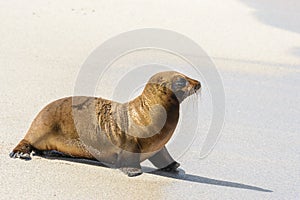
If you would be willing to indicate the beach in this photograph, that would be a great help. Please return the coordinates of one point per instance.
(254, 45)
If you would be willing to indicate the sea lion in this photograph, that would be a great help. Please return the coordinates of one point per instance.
(120, 135)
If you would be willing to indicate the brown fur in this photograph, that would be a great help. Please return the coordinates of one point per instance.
(83, 126)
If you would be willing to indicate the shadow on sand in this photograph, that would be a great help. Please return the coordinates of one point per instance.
(281, 14)
(180, 175)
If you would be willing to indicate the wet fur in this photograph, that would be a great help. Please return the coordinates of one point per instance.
(111, 129)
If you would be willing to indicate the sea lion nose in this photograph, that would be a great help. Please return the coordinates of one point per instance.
(198, 86)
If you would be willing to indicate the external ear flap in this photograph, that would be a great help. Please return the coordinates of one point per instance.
(178, 84)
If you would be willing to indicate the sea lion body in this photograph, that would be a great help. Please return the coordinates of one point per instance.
(120, 135)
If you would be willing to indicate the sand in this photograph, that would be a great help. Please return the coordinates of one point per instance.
(255, 45)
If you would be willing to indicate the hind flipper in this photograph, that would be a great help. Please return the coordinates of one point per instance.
(22, 150)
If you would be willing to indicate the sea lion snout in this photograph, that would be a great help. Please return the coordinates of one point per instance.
(197, 86)
(194, 85)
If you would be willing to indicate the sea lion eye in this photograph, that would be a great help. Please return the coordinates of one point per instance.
(180, 83)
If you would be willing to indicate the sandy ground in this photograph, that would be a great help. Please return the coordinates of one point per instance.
(255, 46)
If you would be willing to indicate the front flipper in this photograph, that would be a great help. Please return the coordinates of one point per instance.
(129, 163)
(131, 171)
(164, 161)
(171, 167)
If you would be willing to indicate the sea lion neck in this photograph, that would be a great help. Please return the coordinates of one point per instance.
(158, 94)
(154, 116)
(152, 97)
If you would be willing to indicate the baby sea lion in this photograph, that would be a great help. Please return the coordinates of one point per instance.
(120, 135)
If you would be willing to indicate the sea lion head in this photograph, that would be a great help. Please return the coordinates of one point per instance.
(179, 84)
